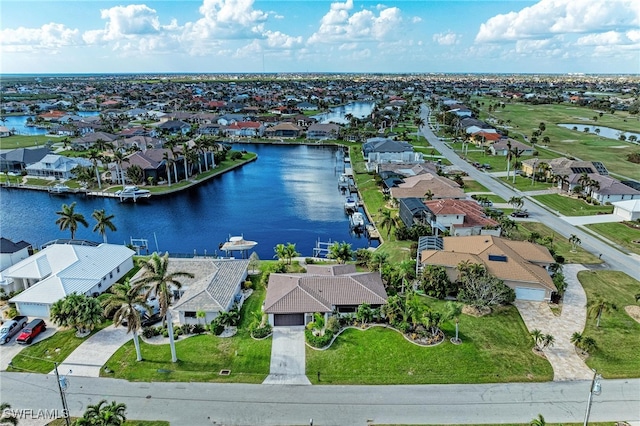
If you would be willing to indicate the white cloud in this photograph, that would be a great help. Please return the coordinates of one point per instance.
(608, 38)
(338, 25)
(549, 17)
(47, 37)
(446, 39)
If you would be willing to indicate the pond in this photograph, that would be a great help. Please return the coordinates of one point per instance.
(606, 132)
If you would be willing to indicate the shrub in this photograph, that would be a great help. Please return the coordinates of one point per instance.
(148, 332)
(309, 261)
(11, 313)
(165, 333)
(247, 285)
(318, 341)
(333, 325)
(198, 329)
(261, 332)
(216, 328)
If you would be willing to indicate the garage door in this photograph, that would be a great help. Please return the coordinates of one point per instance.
(34, 310)
(524, 293)
(288, 319)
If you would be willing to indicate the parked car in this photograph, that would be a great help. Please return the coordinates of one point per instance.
(10, 328)
(520, 213)
(476, 165)
(493, 212)
(30, 332)
(486, 166)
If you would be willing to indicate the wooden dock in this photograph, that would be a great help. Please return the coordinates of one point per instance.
(373, 233)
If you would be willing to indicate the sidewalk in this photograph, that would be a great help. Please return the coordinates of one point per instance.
(562, 356)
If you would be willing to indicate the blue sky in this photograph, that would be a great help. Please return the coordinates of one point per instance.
(217, 36)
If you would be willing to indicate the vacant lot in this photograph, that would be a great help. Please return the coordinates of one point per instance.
(617, 336)
(560, 244)
(619, 233)
(568, 206)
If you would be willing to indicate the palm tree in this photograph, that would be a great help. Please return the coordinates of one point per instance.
(387, 221)
(454, 310)
(7, 417)
(96, 156)
(104, 414)
(103, 222)
(281, 251)
(539, 421)
(429, 195)
(118, 159)
(538, 337)
(576, 339)
(599, 306)
(157, 280)
(419, 122)
(69, 219)
(575, 242)
(290, 250)
(341, 252)
(168, 162)
(126, 304)
(548, 340)
(516, 202)
(509, 155)
(517, 153)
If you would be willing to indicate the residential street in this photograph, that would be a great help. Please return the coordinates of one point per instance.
(236, 404)
(614, 259)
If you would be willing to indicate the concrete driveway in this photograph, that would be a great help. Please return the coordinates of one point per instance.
(562, 356)
(287, 357)
(91, 355)
(9, 350)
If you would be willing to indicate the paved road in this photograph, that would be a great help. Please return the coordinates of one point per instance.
(237, 404)
(614, 258)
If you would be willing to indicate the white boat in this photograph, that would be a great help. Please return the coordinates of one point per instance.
(59, 188)
(350, 204)
(134, 192)
(237, 243)
(357, 220)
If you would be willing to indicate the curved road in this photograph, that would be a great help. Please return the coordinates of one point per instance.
(196, 404)
(614, 258)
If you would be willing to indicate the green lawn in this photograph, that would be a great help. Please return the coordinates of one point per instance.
(524, 119)
(617, 336)
(21, 141)
(524, 183)
(495, 348)
(397, 250)
(40, 357)
(619, 233)
(568, 206)
(560, 244)
(473, 186)
(200, 358)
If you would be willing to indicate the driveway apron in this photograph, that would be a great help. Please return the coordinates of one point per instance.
(287, 357)
(562, 356)
(91, 355)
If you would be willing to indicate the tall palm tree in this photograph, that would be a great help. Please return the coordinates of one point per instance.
(157, 280)
(341, 252)
(168, 162)
(516, 202)
(599, 306)
(517, 153)
(103, 222)
(387, 221)
(125, 302)
(509, 155)
(119, 158)
(104, 414)
(69, 219)
(96, 156)
(280, 251)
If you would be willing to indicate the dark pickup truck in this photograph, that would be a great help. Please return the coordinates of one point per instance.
(11, 327)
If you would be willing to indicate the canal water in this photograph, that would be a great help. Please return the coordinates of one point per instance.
(290, 194)
(337, 114)
(18, 123)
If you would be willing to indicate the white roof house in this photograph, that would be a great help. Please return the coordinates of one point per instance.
(62, 269)
(627, 209)
(53, 165)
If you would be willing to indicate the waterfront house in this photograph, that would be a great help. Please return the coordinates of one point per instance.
(521, 265)
(320, 131)
(460, 217)
(425, 186)
(215, 288)
(385, 150)
(292, 299)
(283, 130)
(56, 166)
(63, 268)
(4, 132)
(17, 160)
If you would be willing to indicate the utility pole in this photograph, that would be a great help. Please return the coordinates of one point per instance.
(65, 409)
(595, 389)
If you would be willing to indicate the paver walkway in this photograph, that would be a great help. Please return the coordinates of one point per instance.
(88, 358)
(287, 357)
(562, 356)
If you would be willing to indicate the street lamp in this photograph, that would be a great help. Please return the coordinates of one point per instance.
(595, 389)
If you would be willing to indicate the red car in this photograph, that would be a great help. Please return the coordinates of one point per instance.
(32, 329)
